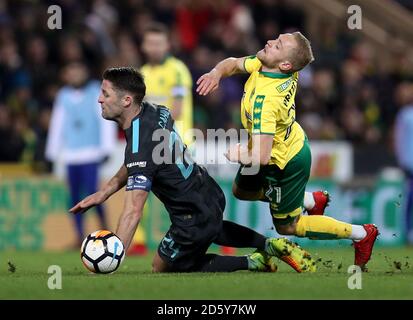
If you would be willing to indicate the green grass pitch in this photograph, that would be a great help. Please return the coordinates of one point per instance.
(390, 276)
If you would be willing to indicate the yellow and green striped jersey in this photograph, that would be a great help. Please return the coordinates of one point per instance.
(166, 81)
(268, 107)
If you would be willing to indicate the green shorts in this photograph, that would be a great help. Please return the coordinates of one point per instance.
(284, 189)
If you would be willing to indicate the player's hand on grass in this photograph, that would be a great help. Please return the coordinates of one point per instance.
(208, 82)
(88, 202)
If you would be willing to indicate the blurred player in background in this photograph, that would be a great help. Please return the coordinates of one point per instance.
(167, 78)
(404, 151)
(278, 143)
(79, 137)
(194, 201)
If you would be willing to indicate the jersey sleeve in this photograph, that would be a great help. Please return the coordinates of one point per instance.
(264, 116)
(252, 64)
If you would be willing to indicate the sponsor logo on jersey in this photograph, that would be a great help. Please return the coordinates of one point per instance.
(141, 164)
(283, 85)
(140, 179)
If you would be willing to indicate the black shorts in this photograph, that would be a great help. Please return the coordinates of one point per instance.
(186, 243)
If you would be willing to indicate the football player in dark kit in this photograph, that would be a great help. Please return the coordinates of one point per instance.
(156, 160)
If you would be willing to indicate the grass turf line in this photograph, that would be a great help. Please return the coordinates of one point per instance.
(390, 277)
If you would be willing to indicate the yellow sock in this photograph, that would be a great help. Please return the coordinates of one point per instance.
(322, 228)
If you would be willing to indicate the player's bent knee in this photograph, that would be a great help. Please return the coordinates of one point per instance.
(155, 267)
(236, 192)
(244, 195)
(286, 229)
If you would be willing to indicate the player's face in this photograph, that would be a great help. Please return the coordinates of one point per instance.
(109, 101)
(277, 51)
(75, 75)
(155, 46)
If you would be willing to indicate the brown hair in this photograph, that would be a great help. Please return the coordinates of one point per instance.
(127, 79)
(157, 27)
(302, 55)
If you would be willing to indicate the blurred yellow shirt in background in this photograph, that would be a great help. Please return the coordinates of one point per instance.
(167, 81)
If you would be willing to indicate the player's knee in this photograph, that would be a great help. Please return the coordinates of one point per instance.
(285, 229)
(244, 195)
(236, 192)
(155, 267)
(158, 265)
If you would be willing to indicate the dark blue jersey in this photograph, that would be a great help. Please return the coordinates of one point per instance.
(158, 161)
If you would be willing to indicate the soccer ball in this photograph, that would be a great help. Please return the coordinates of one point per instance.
(102, 252)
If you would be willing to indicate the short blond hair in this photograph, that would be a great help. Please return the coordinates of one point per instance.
(302, 55)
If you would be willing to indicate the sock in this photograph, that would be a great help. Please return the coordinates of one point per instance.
(322, 228)
(102, 217)
(237, 236)
(357, 232)
(309, 202)
(216, 263)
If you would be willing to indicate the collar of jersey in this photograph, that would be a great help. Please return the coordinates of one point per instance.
(161, 63)
(165, 58)
(275, 75)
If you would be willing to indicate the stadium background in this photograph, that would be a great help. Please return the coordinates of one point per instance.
(347, 101)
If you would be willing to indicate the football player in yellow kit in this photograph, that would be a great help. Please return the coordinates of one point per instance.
(278, 143)
(168, 80)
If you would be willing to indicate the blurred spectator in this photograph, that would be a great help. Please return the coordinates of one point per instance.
(168, 80)
(70, 50)
(11, 143)
(79, 136)
(12, 72)
(37, 62)
(404, 150)
(347, 93)
(40, 163)
(407, 3)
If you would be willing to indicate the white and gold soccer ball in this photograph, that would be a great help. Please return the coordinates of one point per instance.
(102, 252)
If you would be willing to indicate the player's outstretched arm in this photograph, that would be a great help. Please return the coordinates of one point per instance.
(209, 82)
(131, 215)
(118, 181)
(88, 202)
